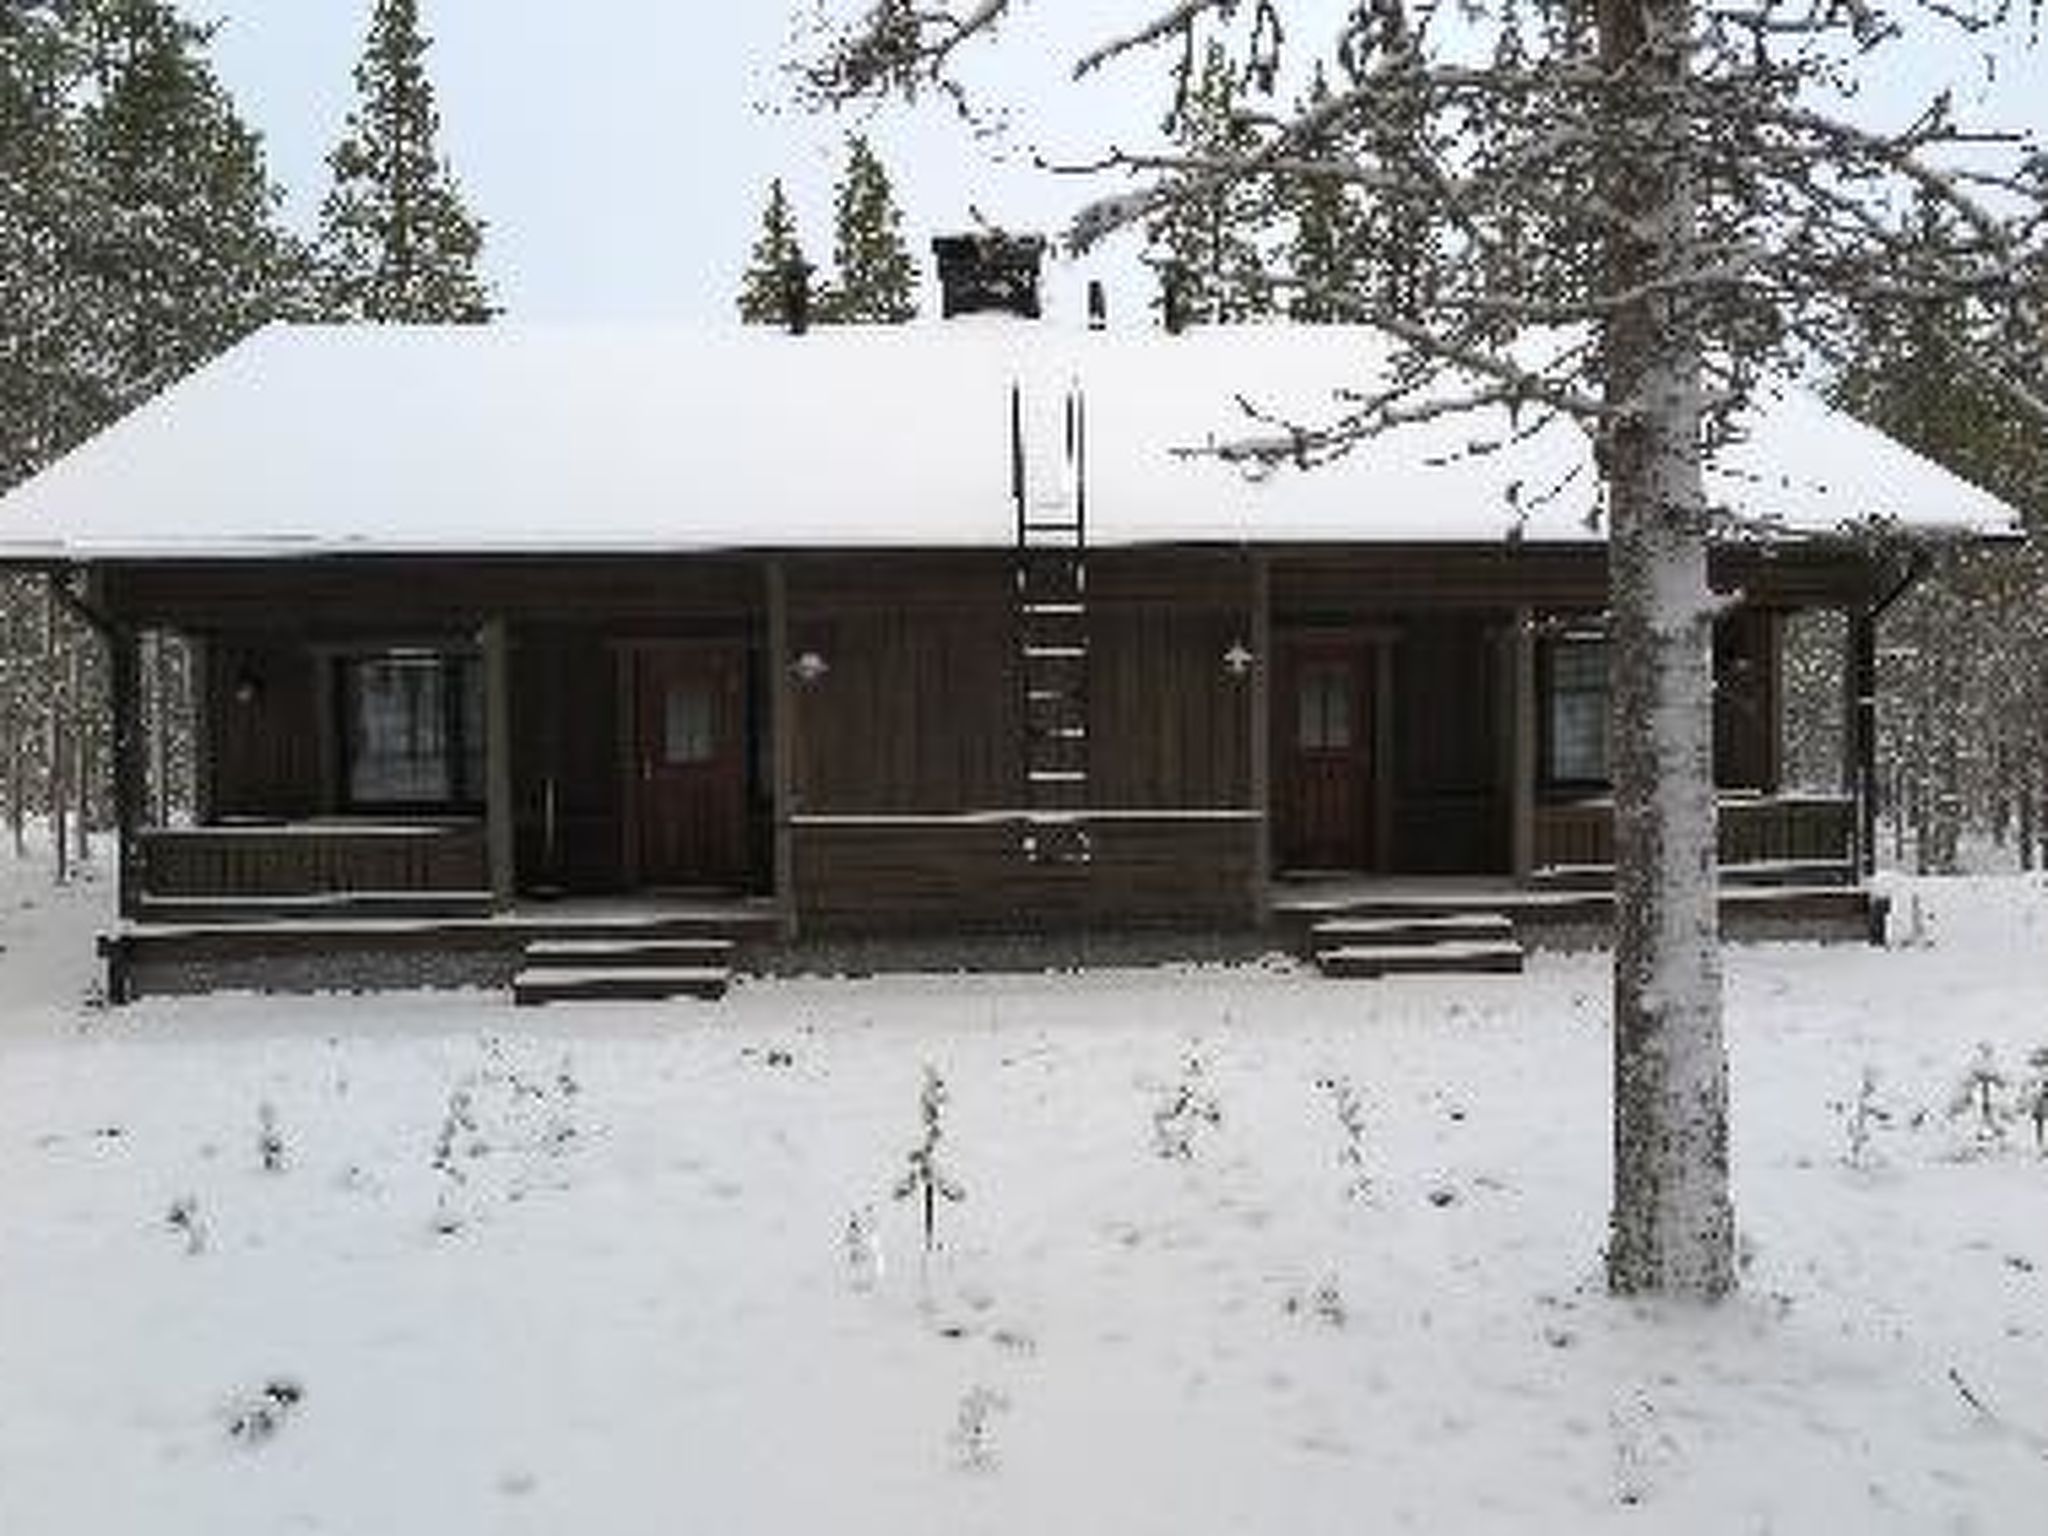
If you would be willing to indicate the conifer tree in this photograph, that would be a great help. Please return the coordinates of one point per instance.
(876, 281)
(1206, 246)
(1326, 253)
(396, 242)
(190, 243)
(777, 257)
(54, 382)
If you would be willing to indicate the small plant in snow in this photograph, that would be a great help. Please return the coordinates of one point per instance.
(863, 1249)
(1350, 1112)
(260, 1415)
(269, 1139)
(973, 1432)
(1861, 1118)
(183, 1217)
(1325, 1303)
(925, 1180)
(1180, 1118)
(1977, 1096)
(458, 1121)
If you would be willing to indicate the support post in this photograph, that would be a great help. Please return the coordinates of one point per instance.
(200, 723)
(782, 743)
(1259, 722)
(1522, 659)
(130, 769)
(1860, 737)
(498, 822)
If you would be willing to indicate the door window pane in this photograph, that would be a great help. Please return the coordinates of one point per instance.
(1323, 717)
(687, 729)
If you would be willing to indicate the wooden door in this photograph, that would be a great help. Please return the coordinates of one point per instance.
(690, 787)
(1323, 769)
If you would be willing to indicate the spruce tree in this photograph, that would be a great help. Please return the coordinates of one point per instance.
(54, 380)
(1205, 246)
(190, 242)
(876, 281)
(395, 241)
(1326, 254)
(777, 256)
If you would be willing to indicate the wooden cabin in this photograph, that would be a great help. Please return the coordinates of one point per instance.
(931, 630)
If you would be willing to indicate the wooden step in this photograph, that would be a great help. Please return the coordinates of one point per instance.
(1420, 928)
(628, 953)
(321, 904)
(1451, 958)
(638, 984)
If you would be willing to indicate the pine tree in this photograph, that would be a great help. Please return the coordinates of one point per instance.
(190, 242)
(876, 281)
(395, 241)
(1327, 252)
(776, 262)
(55, 381)
(1206, 244)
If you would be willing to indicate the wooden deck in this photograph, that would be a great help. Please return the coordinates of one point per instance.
(1573, 916)
(290, 951)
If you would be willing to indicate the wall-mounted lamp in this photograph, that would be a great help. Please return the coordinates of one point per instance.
(248, 688)
(809, 668)
(1237, 661)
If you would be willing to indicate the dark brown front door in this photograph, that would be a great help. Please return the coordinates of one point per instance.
(1323, 730)
(690, 789)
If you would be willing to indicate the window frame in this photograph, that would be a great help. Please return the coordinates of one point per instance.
(462, 707)
(1580, 641)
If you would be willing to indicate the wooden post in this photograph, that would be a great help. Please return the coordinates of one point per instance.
(1860, 735)
(1259, 721)
(199, 701)
(1522, 660)
(782, 745)
(128, 747)
(1383, 747)
(498, 822)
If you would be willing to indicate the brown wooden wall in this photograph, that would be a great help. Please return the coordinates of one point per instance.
(1747, 728)
(864, 876)
(264, 731)
(918, 708)
(565, 751)
(1451, 798)
(919, 711)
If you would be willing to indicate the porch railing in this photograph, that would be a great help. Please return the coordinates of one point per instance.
(1816, 831)
(313, 858)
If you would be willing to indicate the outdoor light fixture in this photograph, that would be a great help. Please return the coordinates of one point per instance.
(809, 668)
(248, 687)
(1237, 661)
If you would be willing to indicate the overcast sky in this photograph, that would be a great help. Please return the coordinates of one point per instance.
(620, 149)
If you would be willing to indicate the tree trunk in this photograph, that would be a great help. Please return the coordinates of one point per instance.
(1672, 1227)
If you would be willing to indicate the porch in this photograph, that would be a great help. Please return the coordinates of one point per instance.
(304, 945)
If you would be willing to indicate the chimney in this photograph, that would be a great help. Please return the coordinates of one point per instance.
(1098, 306)
(989, 273)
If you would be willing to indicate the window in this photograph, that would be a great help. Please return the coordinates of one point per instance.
(1323, 720)
(412, 729)
(687, 734)
(1576, 739)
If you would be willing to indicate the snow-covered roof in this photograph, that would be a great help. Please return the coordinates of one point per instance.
(376, 440)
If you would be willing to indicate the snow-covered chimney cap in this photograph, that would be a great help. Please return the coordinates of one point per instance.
(991, 272)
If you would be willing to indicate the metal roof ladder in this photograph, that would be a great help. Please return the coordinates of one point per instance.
(1048, 469)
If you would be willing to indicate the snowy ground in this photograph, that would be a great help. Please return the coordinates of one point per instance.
(640, 1270)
